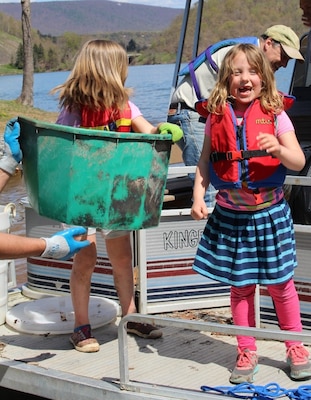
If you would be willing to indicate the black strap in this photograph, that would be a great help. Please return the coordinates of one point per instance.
(181, 106)
(237, 155)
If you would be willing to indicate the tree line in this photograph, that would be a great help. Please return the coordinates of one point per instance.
(53, 58)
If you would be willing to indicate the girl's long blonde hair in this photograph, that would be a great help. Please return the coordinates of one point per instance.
(97, 78)
(270, 99)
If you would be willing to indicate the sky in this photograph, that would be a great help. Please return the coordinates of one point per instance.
(159, 3)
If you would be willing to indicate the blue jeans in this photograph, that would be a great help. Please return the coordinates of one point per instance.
(191, 144)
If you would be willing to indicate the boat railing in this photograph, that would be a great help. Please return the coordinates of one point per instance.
(179, 170)
(183, 394)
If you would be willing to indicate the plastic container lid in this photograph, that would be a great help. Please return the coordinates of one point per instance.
(55, 315)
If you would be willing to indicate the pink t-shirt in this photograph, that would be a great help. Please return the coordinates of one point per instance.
(239, 199)
(73, 118)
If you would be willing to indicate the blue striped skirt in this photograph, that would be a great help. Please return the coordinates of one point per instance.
(242, 248)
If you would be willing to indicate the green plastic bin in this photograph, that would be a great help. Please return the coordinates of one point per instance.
(94, 178)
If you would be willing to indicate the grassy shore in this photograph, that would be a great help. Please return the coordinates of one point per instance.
(11, 109)
(6, 69)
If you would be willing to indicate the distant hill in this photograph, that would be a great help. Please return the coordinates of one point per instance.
(141, 26)
(223, 19)
(93, 16)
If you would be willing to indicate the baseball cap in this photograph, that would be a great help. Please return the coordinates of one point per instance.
(287, 38)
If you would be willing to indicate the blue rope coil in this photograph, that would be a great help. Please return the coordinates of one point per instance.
(270, 391)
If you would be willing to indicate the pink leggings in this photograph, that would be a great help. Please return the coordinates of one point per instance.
(286, 303)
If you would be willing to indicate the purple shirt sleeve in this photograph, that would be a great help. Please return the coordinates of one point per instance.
(69, 118)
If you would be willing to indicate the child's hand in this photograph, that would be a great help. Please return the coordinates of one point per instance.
(270, 143)
(173, 129)
(199, 210)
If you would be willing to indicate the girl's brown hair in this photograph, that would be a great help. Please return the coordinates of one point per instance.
(97, 78)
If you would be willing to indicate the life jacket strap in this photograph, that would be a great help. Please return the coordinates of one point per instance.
(237, 155)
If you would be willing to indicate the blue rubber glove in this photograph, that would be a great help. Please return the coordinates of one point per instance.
(63, 246)
(12, 152)
(173, 129)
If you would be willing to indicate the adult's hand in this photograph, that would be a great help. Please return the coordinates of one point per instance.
(63, 245)
(12, 152)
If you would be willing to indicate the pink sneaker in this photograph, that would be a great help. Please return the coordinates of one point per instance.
(245, 368)
(298, 359)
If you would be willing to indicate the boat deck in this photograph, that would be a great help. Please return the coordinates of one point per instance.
(190, 354)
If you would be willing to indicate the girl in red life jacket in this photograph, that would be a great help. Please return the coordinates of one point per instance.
(94, 96)
(249, 237)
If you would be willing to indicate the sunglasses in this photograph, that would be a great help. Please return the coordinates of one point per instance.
(284, 56)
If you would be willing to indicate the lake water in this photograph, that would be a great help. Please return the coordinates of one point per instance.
(151, 83)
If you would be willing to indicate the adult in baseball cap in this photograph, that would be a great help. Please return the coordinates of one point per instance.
(280, 43)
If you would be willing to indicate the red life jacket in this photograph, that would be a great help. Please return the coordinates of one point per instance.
(107, 120)
(236, 161)
(201, 105)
